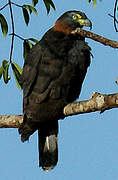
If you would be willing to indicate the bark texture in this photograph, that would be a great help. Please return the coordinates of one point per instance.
(96, 37)
(97, 102)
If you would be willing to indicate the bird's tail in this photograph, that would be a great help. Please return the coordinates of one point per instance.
(48, 146)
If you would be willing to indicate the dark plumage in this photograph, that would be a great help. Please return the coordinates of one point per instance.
(52, 77)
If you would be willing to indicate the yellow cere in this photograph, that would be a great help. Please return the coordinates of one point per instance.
(81, 21)
(79, 16)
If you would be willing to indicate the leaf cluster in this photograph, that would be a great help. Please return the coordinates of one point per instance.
(4, 71)
(17, 71)
(27, 10)
(94, 2)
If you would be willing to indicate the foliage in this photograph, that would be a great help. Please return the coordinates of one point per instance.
(17, 72)
(27, 10)
(4, 25)
(49, 3)
(94, 2)
(5, 67)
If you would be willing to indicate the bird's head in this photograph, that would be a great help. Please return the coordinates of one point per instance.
(71, 20)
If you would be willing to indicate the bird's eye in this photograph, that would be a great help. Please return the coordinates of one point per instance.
(74, 17)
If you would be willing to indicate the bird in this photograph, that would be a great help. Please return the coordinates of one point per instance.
(52, 77)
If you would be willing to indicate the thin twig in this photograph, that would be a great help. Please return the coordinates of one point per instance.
(115, 9)
(17, 36)
(12, 24)
(16, 4)
(113, 17)
(4, 6)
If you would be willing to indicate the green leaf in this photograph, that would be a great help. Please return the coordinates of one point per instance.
(5, 65)
(1, 71)
(4, 25)
(34, 40)
(27, 45)
(26, 15)
(94, 3)
(49, 3)
(34, 2)
(17, 71)
(30, 9)
(52, 4)
(17, 67)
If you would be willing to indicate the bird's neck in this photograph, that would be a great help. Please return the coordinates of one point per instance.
(61, 26)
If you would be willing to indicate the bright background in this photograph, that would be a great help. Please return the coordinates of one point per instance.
(88, 143)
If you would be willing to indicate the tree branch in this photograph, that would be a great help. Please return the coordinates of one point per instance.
(96, 37)
(10, 121)
(97, 102)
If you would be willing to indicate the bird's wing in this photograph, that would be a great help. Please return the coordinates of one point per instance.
(39, 72)
(30, 69)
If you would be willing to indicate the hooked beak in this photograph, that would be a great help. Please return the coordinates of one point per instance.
(85, 22)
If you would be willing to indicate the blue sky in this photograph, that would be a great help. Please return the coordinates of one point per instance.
(88, 143)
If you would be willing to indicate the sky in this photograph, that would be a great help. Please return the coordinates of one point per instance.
(88, 143)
